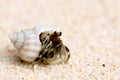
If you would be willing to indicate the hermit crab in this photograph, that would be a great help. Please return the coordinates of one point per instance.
(41, 44)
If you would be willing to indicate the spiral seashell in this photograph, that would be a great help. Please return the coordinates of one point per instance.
(41, 44)
(27, 42)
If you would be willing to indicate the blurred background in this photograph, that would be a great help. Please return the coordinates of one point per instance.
(90, 27)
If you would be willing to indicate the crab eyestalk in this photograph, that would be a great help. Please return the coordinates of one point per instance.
(57, 33)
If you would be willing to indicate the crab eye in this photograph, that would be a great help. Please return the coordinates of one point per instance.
(55, 33)
(60, 34)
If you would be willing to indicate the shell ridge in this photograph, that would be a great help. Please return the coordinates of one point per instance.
(19, 42)
(28, 50)
(16, 38)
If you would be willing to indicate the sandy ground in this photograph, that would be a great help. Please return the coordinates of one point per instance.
(91, 30)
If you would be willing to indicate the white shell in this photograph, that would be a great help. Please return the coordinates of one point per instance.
(27, 42)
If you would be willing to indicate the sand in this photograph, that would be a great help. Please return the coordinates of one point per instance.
(91, 30)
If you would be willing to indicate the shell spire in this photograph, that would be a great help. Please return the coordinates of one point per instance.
(17, 39)
(13, 37)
